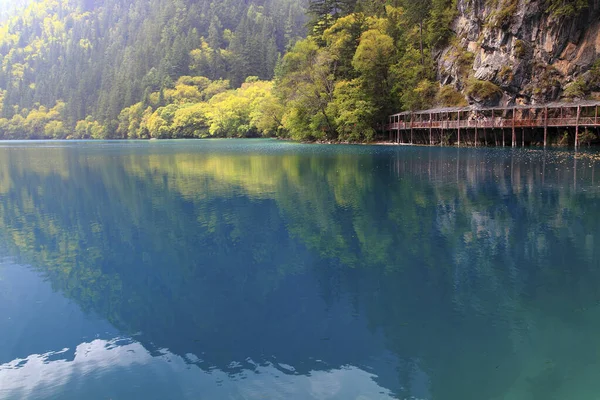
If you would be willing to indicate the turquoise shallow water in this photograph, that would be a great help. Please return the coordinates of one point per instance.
(261, 269)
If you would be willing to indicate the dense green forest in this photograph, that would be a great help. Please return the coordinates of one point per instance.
(70, 67)
(307, 70)
(169, 69)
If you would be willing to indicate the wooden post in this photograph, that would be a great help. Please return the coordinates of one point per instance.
(523, 129)
(502, 123)
(411, 127)
(596, 118)
(577, 127)
(545, 127)
(430, 129)
(400, 136)
(475, 137)
(514, 133)
(458, 129)
(484, 135)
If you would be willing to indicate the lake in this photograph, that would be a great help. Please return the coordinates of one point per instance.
(261, 269)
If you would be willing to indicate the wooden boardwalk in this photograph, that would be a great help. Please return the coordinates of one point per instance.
(469, 123)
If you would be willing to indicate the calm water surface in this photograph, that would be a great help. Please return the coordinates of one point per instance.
(269, 270)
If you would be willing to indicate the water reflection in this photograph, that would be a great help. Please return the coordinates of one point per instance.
(310, 271)
(99, 368)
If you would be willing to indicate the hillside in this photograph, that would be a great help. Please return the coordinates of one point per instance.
(99, 57)
(182, 68)
(361, 65)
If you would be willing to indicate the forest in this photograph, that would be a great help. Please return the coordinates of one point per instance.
(306, 70)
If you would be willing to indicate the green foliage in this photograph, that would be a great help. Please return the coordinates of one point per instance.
(482, 90)
(503, 13)
(324, 13)
(89, 129)
(460, 57)
(188, 69)
(443, 13)
(306, 84)
(373, 54)
(587, 136)
(110, 55)
(37, 123)
(55, 130)
(566, 8)
(448, 96)
(520, 48)
(247, 111)
(505, 73)
(342, 40)
(594, 78)
(343, 81)
(197, 108)
(353, 112)
(409, 74)
(575, 89)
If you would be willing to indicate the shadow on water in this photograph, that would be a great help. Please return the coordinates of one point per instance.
(446, 273)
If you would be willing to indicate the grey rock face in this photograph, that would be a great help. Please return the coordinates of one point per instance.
(531, 55)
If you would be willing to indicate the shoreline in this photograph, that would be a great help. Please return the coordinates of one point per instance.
(318, 142)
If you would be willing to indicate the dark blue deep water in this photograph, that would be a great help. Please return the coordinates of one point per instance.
(269, 270)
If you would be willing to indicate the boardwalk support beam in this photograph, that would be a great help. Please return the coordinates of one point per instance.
(545, 127)
(411, 127)
(514, 133)
(577, 127)
(430, 129)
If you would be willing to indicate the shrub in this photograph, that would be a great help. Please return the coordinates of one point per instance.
(587, 136)
(483, 90)
(465, 59)
(594, 80)
(565, 8)
(506, 73)
(520, 49)
(575, 89)
(502, 17)
(448, 96)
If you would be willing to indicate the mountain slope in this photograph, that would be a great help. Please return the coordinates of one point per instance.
(364, 62)
(102, 56)
(185, 68)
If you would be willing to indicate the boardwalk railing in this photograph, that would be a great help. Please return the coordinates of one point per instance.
(498, 123)
(555, 115)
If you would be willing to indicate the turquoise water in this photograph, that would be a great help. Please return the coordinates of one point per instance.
(269, 270)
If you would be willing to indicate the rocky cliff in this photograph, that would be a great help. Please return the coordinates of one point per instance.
(530, 52)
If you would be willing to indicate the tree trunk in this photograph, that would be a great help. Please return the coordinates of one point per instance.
(421, 42)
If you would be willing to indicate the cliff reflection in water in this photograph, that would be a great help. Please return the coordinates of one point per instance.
(445, 273)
